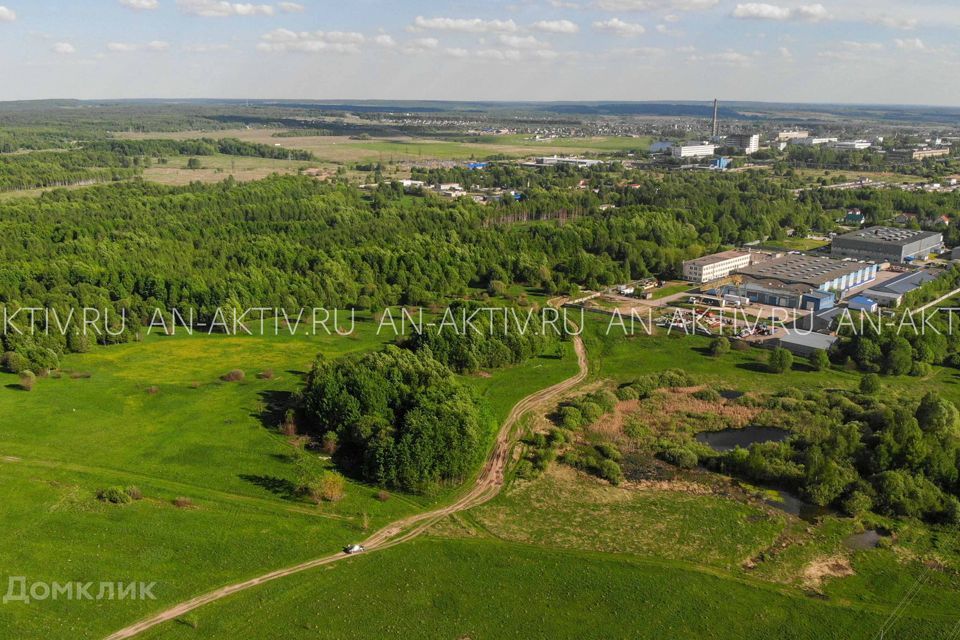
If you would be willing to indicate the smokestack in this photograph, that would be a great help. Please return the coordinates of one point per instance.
(716, 118)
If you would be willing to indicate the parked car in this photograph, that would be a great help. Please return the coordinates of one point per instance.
(354, 549)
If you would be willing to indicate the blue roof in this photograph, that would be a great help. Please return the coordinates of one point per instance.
(862, 300)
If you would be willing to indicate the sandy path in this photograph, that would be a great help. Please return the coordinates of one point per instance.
(488, 485)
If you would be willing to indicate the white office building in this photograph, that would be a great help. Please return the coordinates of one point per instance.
(715, 266)
(694, 150)
(746, 142)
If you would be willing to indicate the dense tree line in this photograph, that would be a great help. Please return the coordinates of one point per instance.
(398, 418)
(471, 336)
(858, 453)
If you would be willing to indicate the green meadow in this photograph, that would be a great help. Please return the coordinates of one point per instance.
(156, 415)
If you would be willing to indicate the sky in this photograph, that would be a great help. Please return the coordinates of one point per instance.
(843, 51)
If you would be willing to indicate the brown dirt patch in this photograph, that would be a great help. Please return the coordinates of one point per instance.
(815, 573)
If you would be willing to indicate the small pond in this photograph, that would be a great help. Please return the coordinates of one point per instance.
(730, 439)
(861, 541)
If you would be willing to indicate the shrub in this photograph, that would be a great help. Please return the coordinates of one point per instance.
(134, 492)
(182, 503)
(707, 395)
(856, 503)
(114, 495)
(627, 393)
(153, 390)
(921, 369)
(266, 375)
(570, 418)
(719, 346)
(233, 376)
(27, 380)
(675, 378)
(591, 412)
(740, 345)
(870, 384)
(13, 362)
(819, 360)
(331, 487)
(610, 471)
(525, 470)
(608, 451)
(680, 457)
(382, 496)
(780, 360)
(330, 443)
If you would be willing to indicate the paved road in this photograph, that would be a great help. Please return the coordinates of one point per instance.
(488, 484)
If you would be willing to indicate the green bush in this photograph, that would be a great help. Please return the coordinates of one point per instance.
(719, 346)
(707, 395)
(609, 451)
(780, 360)
(679, 457)
(870, 384)
(610, 471)
(114, 495)
(819, 360)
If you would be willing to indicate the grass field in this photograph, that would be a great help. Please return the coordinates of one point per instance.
(567, 556)
(217, 167)
(343, 149)
(482, 589)
(156, 415)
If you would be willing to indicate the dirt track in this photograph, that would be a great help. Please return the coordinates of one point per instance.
(487, 486)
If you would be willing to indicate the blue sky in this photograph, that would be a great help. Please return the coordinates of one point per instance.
(876, 51)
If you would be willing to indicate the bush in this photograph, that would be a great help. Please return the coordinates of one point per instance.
(330, 487)
(13, 362)
(114, 495)
(134, 492)
(330, 443)
(591, 412)
(153, 390)
(609, 451)
(27, 380)
(570, 418)
(627, 393)
(182, 503)
(266, 375)
(610, 471)
(921, 369)
(233, 376)
(719, 346)
(819, 360)
(870, 384)
(740, 345)
(382, 496)
(856, 503)
(780, 360)
(525, 470)
(708, 395)
(679, 457)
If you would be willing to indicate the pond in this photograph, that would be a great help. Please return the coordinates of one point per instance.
(730, 439)
(789, 503)
(867, 540)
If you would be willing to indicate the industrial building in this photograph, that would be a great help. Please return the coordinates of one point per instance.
(784, 136)
(887, 244)
(551, 161)
(715, 266)
(891, 292)
(851, 145)
(746, 142)
(694, 150)
(804, 343)
(800, 281)
(910, 155)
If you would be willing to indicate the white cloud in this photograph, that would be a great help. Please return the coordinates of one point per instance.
(466, 25)
(283, 40)
(128, 47)
(557, 26)
(910, 44)
(785, 53)
(7, 15)
(620, 27)
(895, 22)
(291, 7)
(204, 48)
(457, 52)
(655, 5)
(521, 42)
(222, 8)
(63, 48)
(853, 45)
(763, 11)
(497, 54)
(385, 40)
(140, 5)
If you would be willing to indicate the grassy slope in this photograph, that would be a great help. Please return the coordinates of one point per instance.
(481, 589)
(70, 437)
(676, 573)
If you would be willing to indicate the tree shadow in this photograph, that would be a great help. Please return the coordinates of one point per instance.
(276, 404)
(16, 386)
(755, 367)
(277, 486)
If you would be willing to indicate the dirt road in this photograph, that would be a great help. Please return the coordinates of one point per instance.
(487, 485)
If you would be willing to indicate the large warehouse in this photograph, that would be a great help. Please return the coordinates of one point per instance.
(887, 244)
(800, 281)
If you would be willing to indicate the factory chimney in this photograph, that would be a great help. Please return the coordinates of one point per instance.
(716, 118)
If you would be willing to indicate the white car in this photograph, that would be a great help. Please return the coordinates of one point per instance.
(354, 549)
